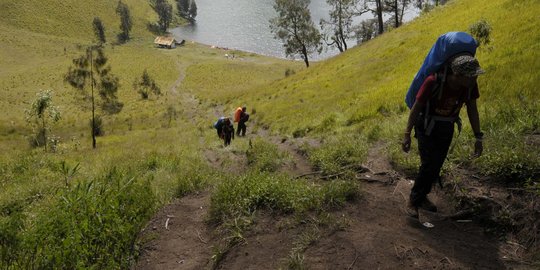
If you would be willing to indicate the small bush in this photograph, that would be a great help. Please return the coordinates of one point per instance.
(481, 31)
(146, 85)
(38, 139)
(289, 72)
(98, 126)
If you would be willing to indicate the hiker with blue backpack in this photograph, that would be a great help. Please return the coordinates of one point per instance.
(225, 129)
(446, 81)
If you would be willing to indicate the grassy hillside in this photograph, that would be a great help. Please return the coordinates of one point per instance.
(363, 89)
(72, 18)
(379, 72)
(349, 101)
(38, 44)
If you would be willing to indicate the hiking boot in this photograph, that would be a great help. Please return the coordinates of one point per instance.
(412, 210)
(428, 205)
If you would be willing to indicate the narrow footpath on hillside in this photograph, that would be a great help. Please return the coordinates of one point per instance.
(370, 233)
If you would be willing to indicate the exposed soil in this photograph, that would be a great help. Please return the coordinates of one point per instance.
(183, 244)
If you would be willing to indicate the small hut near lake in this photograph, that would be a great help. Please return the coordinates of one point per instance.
(165, 42)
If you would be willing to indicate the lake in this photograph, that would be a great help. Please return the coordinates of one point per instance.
(244, 25)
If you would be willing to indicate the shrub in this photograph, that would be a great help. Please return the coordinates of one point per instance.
(481, 31)
(289, 72)
(98, 126)
(146, 86)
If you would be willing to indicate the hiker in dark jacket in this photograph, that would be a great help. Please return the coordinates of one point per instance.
(225, 129)
(244, 117)
(433, 116)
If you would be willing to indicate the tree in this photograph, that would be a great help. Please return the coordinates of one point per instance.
(187, 9)
(91, 69)
(193, 10)
(366, 30)
(427, 5)
(41, 109)
(339, 28)
(164, 12)
(99, 30)
(396, 8)
(295, 28)
(146, 85)
(126, 22)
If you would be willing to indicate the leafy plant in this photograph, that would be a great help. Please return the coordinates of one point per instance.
(42, 109)
(146, 86)
(481, 31)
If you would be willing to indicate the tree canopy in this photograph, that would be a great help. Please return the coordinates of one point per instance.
(294, 27)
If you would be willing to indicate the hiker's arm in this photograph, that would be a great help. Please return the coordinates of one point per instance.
(413, 115)
(474, 119)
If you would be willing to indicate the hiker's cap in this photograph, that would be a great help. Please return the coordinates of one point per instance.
(466, 65)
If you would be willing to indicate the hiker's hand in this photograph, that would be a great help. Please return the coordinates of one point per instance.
(478, 148)
(406, 143)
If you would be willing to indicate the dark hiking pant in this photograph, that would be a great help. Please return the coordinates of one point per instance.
(241, 128)
(219, 131)
(433, 150)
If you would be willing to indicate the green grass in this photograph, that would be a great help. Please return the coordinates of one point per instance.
(366, 85)
(348, 102)
(240, 196)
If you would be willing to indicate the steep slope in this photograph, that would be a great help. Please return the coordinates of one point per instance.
(375, 76)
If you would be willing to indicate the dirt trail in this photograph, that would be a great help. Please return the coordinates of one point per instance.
(377, 236)
(183, 244)
(380, 236)
(300, 165)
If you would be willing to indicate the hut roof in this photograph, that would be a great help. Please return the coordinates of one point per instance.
(166, 41)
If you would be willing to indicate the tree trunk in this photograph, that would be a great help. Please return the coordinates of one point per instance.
(341, 34)
(304, 52)
(380, 16)
(44, 131)
(396, 13)
(93, 107)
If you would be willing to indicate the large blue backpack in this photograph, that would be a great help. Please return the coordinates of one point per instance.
(447, 45)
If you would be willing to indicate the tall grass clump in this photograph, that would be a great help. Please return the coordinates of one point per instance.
(338, 152)
(265, 156)
(194, 178)
(243, 195)
(513, 150)
(92, 225)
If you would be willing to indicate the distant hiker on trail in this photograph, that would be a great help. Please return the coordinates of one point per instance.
(433, 115)
(225, 129)
(241, 117)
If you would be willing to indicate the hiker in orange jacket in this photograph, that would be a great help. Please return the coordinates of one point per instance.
(433, 117)
(241, 116)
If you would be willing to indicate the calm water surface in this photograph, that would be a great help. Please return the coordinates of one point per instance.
(243, 25)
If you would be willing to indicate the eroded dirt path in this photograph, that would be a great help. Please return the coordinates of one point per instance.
(180, 236)
(380, 236)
